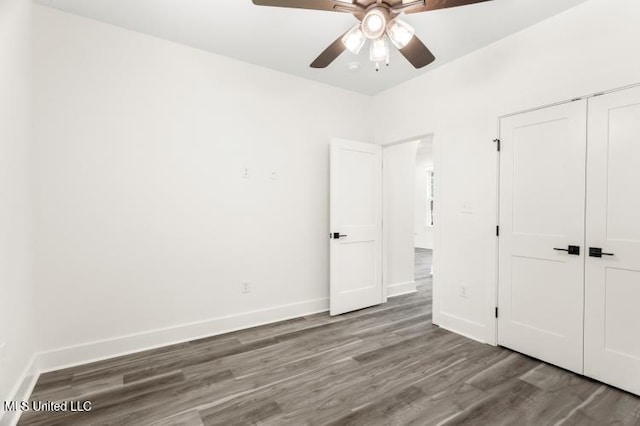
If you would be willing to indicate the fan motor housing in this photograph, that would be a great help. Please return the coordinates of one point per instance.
(375, 22)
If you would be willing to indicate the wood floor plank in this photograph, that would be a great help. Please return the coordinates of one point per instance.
(608, 406)
(386, 365)
(512, 367)
(553, 379)
(499, 407)
(190, 418)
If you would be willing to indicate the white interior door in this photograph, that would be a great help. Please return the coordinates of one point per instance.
(612, 292)
(542, 210)
(356, 226)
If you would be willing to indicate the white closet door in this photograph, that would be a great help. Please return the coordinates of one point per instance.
(612, 292)
(542, 190)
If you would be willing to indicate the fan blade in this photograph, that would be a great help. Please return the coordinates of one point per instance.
(331, 5)
(417, 53)
(330, 54)
(442, 4)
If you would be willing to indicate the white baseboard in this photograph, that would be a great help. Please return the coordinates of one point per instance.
(462, 326)
(21, 392)
(109, 348)
(399, 289)
(104, 349)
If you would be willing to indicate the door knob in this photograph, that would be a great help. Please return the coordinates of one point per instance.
(597, 252)
(337, 235)
(573, 250)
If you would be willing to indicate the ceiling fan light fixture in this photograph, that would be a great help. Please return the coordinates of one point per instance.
(379, 52)
(354, 39)
(400, 33)
(374, 24)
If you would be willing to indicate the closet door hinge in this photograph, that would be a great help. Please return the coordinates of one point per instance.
(496, 312)
(498, 144)
(497, 231)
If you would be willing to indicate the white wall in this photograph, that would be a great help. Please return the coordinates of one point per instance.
(424, 234)
(145, 222)
(398, 200)
(16, 290)
(584, 50)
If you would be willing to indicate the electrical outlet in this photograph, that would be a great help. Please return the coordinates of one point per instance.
(245, 287)
(246, 173)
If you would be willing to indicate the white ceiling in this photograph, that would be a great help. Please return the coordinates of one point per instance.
(289, 40)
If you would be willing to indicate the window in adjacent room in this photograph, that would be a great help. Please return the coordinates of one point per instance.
(430, 201)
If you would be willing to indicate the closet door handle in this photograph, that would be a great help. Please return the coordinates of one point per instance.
(597, 252)
(573, 250)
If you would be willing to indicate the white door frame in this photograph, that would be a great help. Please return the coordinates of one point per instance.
(437, 231)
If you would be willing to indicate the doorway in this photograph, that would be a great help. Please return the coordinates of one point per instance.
(424, 215)
(364, 194)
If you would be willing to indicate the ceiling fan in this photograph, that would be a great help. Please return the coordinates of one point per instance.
(378, 21)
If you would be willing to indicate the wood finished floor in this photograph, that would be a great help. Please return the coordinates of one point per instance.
(386, 365)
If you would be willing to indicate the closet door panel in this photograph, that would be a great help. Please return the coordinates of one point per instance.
(612, 284)
(542, 190)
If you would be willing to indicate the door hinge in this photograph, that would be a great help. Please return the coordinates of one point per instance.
(497, 231)
(498, 144)
(496, 312)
